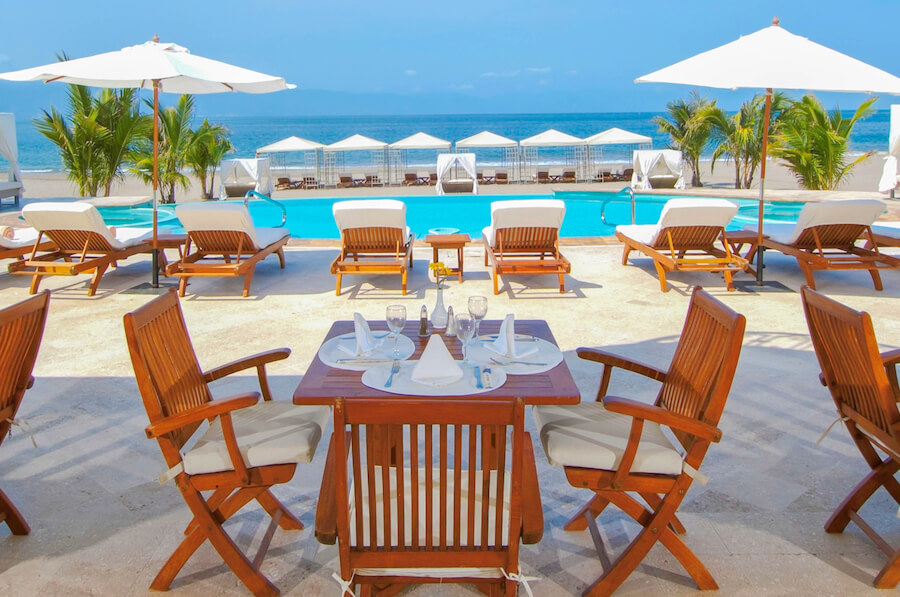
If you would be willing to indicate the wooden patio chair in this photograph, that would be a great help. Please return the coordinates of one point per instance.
(21, 329)
(523, 239)
(345, 182)
(284, 183)
(617, 447)
(247, 447)
(226, 243)
(627, 175)
(80, 239)
(410, 179)
(685, 239)
(501, 178)
(446, 463)
(21, 243)
(825, 238)
(374, 239)
(568, 176)
(863, 384)
(542, 177)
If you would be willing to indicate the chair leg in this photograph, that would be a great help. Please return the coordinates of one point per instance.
(280, 253)
(889, 576)
(337, 290)
(729, 282)
(882, 474)
(661, 272)
(248, 278)
(182, 286)
(270, 503)
(35, 282)
(95, 280)
(12, 517)
(562, 284)
(403, 282)
(593, 508)
(876, 279)
(626, 250)
(807, 273)
(654, 500)
(494, 274)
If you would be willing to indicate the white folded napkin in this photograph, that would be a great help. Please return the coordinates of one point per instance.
(436, 366)
(505, 344)
(365, 339)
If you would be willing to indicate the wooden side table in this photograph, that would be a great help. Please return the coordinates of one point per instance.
(449, 241)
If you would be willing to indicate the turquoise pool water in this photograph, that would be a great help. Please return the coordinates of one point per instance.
(312, 218)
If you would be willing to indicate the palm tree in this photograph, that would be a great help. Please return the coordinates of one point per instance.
(209, 145)
(174, 140)
(814, 144)
(118, 112)
(688, 130)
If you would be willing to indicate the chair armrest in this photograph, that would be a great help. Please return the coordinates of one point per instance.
(641, 410)
(532, 510)
(211, 409)
(256, 360)
(612, 360)
(891, 357)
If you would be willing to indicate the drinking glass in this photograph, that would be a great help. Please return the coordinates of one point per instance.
(465, 331)
(395, 315)
(477, 309)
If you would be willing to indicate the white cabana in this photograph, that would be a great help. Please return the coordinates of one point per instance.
(614, 136)
(310, 150)
(9, 149)
(236, 177)
(508, 158)
(661, 168)
(889, 178)
(574, 150)
(449, 178)
(376, 168)
(418, 142)
(290, 144)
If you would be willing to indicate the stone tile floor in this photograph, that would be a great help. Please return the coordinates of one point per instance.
(102, 525)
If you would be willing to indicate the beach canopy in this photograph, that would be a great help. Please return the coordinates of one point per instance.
(421, 141)
(657, 162)
(617, 136)
(889, 178)
(486, 139)
(9, 147)
(446, 161)
(290, 144)
(356, 143)
(550, 138)
(241, 170)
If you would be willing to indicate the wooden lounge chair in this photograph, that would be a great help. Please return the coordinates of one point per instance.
(617, 447)
(501, 178)
(21, 328)
(226, 243)
(568, 176)
(432, 179)
(21, 243)
(685, 239)
(627, 175)
(247, 447)
(523, 239)
(80, 239)
(443, 522)
(284, 183)
(374, 239)
(542, 177)
(863, 385)
(410, 179)
(825, 238)
(883, 234)
(345, 182)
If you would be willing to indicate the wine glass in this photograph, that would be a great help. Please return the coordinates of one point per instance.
(465, 331)
(477, 309)
(395, 315)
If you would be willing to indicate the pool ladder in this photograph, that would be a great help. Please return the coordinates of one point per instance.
(628, 190)
(257, 195)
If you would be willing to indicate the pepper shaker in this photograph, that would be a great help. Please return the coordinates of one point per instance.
(451, 322)
(423, 322)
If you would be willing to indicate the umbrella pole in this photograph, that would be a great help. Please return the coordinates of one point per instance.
(155, 252)
(760, 250)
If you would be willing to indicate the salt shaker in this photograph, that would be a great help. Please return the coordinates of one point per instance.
(423, 322)
(451, 322)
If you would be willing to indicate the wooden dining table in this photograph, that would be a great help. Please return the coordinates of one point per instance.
(322, 384)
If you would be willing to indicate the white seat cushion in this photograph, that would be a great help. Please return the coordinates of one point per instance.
(78, 215)
(852, 211)
(268, 236)
(589, 436)
(367, 213)
(688, 211)
(525, 213)
(267, 433)
(22, 237)
(889, 229)
(642, 233)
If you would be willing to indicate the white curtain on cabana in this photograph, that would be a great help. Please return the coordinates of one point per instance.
(656, 162)
(889, 177)
(446, 161)
(9, 148)
(241, 170)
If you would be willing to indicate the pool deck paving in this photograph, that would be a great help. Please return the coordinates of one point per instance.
(102, 524)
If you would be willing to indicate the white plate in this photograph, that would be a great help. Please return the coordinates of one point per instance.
(547, 353)
(342, 347)
(403, 384)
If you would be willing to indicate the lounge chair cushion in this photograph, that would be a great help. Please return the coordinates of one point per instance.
(23, 237)
(268, 236)
(225, 216)
(682, 212)
(889, 229)
(81, 216)
(267, 433)
(854, 211)
(525, 213)
(381, 213)
(587, 435)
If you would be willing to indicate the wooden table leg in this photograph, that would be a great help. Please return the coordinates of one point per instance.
(459, 258)
(435, 255)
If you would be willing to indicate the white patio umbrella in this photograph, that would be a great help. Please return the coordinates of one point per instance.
(165, 67)
(773, 58)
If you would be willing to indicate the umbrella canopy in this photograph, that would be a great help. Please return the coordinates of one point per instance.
(290, 144)
(356, 143)
(486, 139)
(774, 58)
(550, 138)
(421, 141)
(617, 136)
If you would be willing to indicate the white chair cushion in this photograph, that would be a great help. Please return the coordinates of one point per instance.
(22, 237)
(854, 211)
(369, 213)
(216, 215)
(589, 436)
(78, 216)
(889, 229)
(268, 432)
(268, 236)
(642, 233)
(690, 211)
(525, 213)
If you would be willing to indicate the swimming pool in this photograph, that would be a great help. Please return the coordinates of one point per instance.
(312, 218)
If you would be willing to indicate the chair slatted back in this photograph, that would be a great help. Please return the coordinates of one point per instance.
(845, 345)
(830, 235)
(439, 460)
(703, 366)
(21, 329)
(168, 374)
(373, 239)
(525, 238)
(222, 241)
(688, 237)
(75, 241)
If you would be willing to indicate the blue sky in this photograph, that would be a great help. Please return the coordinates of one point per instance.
(427, 57)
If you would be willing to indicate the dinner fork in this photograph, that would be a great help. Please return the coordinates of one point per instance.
(395, 368)
(495, 361)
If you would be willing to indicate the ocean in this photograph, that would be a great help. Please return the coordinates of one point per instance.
(247, 133)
